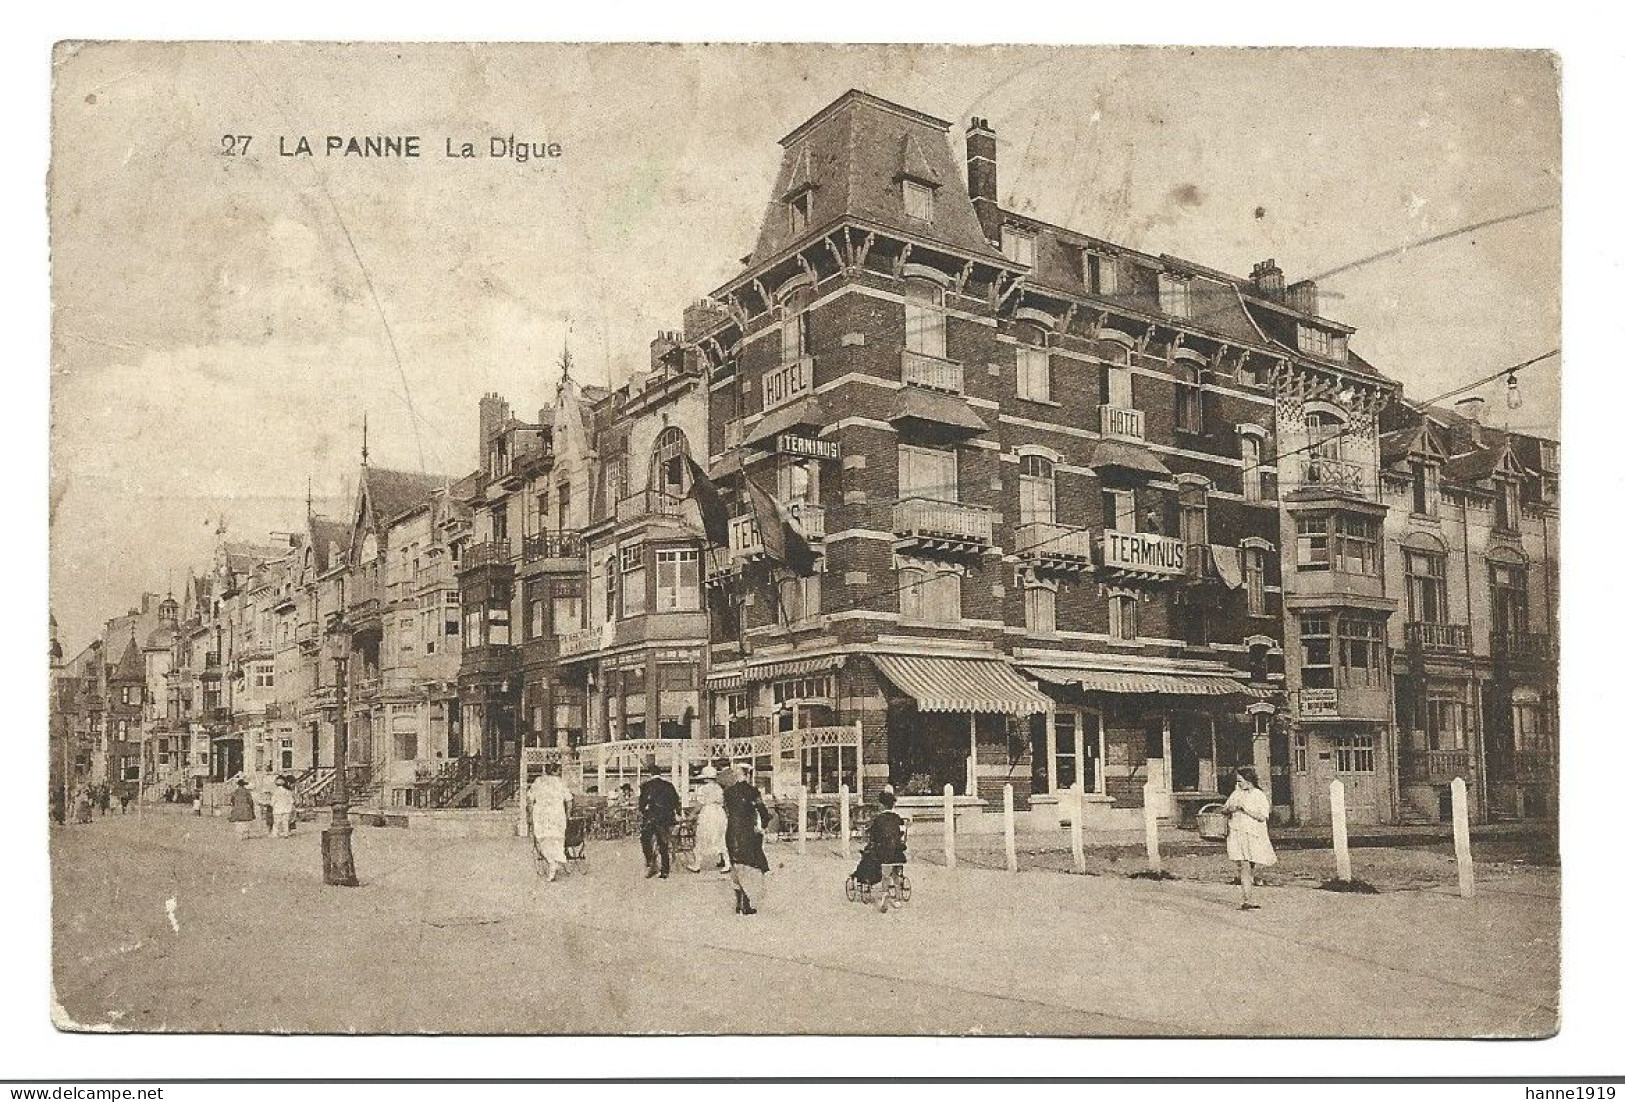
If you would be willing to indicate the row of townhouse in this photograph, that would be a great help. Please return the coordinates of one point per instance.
(933, 492)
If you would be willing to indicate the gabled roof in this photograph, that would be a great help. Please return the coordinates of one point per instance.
(1475, 466)
(131, 666)
(394, 492)
(324, 536)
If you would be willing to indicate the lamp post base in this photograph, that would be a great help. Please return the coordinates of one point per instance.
(338, 861)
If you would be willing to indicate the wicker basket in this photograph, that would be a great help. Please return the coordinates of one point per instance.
(1212, 823)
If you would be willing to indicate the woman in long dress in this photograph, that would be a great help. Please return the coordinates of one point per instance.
(549, 800)
(711, 826)
(747, 818)
(1248, 840)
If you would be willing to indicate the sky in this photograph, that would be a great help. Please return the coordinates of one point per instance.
(223, 324)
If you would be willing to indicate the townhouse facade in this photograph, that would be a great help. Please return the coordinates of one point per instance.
(995, 502)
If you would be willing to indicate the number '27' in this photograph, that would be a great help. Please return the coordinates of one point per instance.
(235, 145)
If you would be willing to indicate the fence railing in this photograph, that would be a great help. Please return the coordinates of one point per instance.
(1436, 765)
(933, 372)
(929, 519)
(488, 553)
(1041, 539)
(1336, 474)
(1432, 636)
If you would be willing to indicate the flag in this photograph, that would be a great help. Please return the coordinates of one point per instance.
(713, 511)
(782, 540)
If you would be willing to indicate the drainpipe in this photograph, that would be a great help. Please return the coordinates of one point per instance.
(1481, 789)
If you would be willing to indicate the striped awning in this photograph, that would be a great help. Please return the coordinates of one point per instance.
(731, 680)
(963, 685)
(1112, 681)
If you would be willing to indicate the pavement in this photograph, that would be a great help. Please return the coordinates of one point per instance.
(170, 923)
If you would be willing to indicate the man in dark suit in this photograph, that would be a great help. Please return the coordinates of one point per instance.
(658, 804)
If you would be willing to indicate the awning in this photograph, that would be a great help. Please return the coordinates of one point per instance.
(914, 403)
(1116, 455)
(731, 680)
(1112, 681)
(804, 411)
(963, 685)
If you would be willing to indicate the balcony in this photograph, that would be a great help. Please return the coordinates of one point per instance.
(943, 525)
(1122, 423)
(489, 553)
(553, 545)
(307, 636)
(809, 516)
(1530, 646)
(1055, 546)
(721, 566)
(1341, 475)
(933, 373)
(1436, 766)
(648, 503)
(367, 687)
(1438, 638)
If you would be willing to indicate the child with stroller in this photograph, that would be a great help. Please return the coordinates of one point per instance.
(886, 847)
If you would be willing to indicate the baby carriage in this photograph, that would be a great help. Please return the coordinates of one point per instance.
(883, 881)
(575, 841)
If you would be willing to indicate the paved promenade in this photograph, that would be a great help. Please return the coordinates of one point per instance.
(460, 936)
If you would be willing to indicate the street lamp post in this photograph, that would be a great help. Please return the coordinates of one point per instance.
(338, 861)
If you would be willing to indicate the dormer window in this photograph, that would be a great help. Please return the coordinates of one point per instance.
(800, 207)
(1424, 488)
(1174, 295)
(1507, 504)
(1101, 272)
(1017, 245)
(919, 201)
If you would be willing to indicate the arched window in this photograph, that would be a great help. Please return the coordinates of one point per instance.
(1032, 362)
(1252, 463)
(793, 325)
(1037, 490)
(1193, 511)
(1188, 397)
(668, 466)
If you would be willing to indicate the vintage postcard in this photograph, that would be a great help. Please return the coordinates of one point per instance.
(798, 539)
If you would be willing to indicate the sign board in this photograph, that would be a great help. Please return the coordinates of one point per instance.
(1144, 552)
(1317, 703)
(786, 383)
(808, 448)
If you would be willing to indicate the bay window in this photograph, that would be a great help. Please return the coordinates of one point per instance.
(1315, 642)
(677, 581)
(1361, 651)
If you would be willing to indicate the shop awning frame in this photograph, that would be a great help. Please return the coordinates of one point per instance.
(1133, 682)
(944, 684)
(733, 680)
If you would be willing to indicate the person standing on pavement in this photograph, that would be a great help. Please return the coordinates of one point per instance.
(82, 804)
(711, 826)
(747, 816)
(548, 800)
(1248, 839)
(104, 799)
(658, 805)
(242, 814)
(282, 809)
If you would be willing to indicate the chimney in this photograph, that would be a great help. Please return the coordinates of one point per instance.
(662, 346)
(1470, 409)
(494, 413)
(1268, 280)
(702, 316)
(1304, 297)
(982, 167)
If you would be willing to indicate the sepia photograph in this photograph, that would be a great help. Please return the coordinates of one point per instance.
(804, 539)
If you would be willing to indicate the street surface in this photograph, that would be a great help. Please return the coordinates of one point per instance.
(461, 936)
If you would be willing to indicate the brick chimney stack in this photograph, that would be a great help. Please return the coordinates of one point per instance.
(1304, 297)
(982, 167)
(494, 413)
(1269, 281)
(662, 346)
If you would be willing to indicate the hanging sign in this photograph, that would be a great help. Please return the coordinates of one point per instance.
(808, 448)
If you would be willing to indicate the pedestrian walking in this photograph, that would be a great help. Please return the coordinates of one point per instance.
(282, 808)
(242, 813)
(548, 804)
(104, 799)
(658, 805)
(263, 784)
(748, 817)
(711, 825)
(124, 798)
(1248, 839)
(82, 804)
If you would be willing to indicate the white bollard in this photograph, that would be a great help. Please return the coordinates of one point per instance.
(1010, 827)
(801, 820)
(1464, 849)
(1077, 834)
(846, 823)
(1340, 832)
(1153, 851)
(948, 825)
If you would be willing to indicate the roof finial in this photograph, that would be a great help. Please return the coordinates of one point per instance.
(363, 438)
(565, 362)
